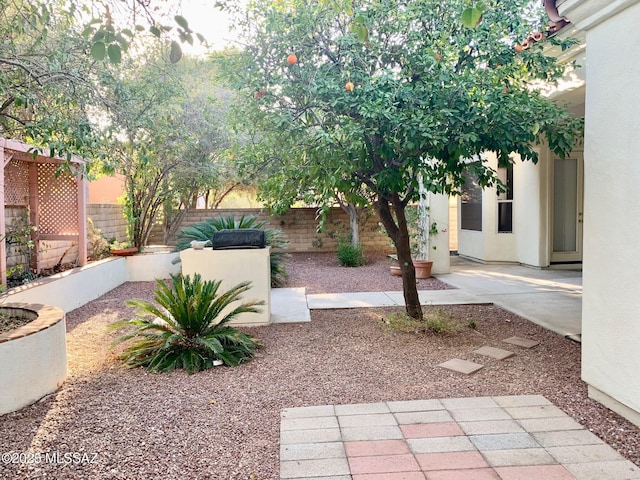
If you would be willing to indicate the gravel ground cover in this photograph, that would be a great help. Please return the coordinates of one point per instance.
(224, 423)
(321, 273)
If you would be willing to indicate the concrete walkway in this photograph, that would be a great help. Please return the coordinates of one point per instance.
(549, 298)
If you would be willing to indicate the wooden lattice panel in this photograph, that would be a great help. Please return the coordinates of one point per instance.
(58, 202)
(16, 183)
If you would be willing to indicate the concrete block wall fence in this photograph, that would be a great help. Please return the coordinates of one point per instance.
(299, 225)
(109, 219)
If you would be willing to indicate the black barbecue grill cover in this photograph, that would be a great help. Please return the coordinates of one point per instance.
(238, 238)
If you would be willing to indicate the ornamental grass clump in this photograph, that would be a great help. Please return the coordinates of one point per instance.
(188, 328)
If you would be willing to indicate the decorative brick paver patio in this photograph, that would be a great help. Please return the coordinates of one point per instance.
(493, 438)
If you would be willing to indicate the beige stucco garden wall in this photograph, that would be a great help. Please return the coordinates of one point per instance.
(611, 305)
(231, 267)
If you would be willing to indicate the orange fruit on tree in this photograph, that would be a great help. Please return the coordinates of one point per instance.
(292, 59)
(349, 86)
(518, 48)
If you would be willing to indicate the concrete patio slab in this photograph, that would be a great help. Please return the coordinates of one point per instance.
(316, 468)
(361, 409)
(549, 298)
(479, 414)
(541, 411)
(518, 457)
(503, 441)
(487, 427)
(371, 420)
(415, 405)
(305, 412)
(521, 401)
(312, 451)
(566, 438)
(289, 305)
(461, 366)
(514, 449)
(424, 417)
(613, 470)
(469, 402)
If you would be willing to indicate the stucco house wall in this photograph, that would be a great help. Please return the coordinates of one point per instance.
(530, 242)
(610, 303)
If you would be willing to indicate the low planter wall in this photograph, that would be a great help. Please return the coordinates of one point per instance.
(73, 288)
(149, 266)
(76, 287)
(33, 358)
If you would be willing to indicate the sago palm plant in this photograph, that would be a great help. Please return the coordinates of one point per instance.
(188, 328)
(273, 237)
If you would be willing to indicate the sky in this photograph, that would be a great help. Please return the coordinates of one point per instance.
(209, 21)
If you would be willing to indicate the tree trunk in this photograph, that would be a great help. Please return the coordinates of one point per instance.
(399, 235)
(354, 223)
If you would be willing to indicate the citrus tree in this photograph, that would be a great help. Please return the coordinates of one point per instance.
(399, 88)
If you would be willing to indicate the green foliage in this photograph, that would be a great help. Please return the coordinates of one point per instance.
(45, 86)
(188, 327)
(471, 17)
(350, 255)
(274, 238)
(109, 38)
(54, 51)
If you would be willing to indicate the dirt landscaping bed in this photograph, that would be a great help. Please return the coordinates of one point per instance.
(223, 424)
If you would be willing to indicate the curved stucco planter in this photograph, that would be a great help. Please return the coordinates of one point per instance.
(33, 358)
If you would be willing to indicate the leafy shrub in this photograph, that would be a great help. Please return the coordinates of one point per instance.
(274, 238)
(187, 329)
(350, 255)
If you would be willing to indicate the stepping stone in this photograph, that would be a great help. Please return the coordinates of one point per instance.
(497, 353)
(521, 342)
(461, 366)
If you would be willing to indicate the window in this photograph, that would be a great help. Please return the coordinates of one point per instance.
(505, 200)
(471, 203)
